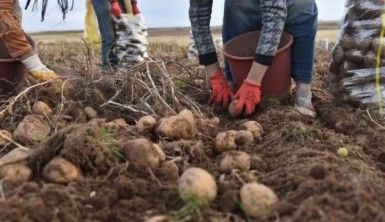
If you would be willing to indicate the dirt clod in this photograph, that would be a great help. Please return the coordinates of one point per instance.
(168, 171)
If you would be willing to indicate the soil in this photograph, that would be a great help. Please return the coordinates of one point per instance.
(297, 158)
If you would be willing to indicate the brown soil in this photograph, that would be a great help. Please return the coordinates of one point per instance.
(297, 157)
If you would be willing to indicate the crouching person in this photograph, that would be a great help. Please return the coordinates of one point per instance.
(16, 41)
(272, 17)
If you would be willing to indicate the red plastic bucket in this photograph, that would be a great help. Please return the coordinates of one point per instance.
(12, 71)
(240, 54)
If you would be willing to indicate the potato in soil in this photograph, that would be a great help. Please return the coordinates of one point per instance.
(15, 173)
(232, 110)
(255, 128)
(60, 171)
(235, 160)
(197, 184)
(257, 199)
(31, 130)
(181, 126)
(244, 137)
(142, 152)
(14, 155)
(146, 124)
(168, 171)
(4, 137)
(41, 108)
(90, 113)
(225, 141)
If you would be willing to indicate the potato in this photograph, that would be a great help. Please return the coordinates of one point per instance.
(244, 137)
(235, 160)
(370, 60)
(31, 130)
(376, 45)
(117, 124)
(3, 137)
(255, 128)
(347, 42)
(41, 108)
(14, 155)
(215, 121)
(199, 83)
(146, 124)
(355, 56)
(15, 173)
(338, 54)
(257, 199)
(90, 113)
(142, 152)
(60, 171)
(181, 126)
(232, 110)
(364, 44)
(197, 184)
(225, 141)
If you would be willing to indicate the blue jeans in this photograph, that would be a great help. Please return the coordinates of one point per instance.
(107, 32)
(301, 22)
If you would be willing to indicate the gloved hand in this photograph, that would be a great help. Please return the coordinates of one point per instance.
(248, 96)
(135, 8)
(115, 8)
(221, 91)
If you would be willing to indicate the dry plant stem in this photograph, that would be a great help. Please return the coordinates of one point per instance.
(154, 177)
(2, 191)
(9, 107)
(374, 121)
(3, 136)
(156, 90)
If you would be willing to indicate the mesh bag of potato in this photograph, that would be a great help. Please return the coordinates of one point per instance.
(357, 71)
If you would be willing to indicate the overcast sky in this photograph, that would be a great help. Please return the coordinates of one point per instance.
(158, 13)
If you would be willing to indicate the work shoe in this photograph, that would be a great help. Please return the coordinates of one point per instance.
(43, 75)
(304, 105)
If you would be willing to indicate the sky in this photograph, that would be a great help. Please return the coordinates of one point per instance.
(156, 12)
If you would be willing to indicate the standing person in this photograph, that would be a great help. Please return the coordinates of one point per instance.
(272, 17)
(103, 9)
(16, 41)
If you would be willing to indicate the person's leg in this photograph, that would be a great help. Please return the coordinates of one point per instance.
(107, 32)
(239, 17)
(18, 46)
(302, 22)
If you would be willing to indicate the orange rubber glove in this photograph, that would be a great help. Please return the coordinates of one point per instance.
(135, 8)
(221, 92)
(115, 8)
(248, 96)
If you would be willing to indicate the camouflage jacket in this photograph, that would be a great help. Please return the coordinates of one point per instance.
(273, 19)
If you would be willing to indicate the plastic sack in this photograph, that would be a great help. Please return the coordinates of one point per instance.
(131, 40)
(91, 28)
(357, 71)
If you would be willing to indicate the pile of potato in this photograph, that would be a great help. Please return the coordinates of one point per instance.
(353, 69)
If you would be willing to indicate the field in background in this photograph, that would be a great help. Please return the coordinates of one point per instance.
(327, 30)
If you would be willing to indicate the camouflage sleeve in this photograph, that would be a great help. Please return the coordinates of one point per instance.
(273, 20)
(200, 17)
